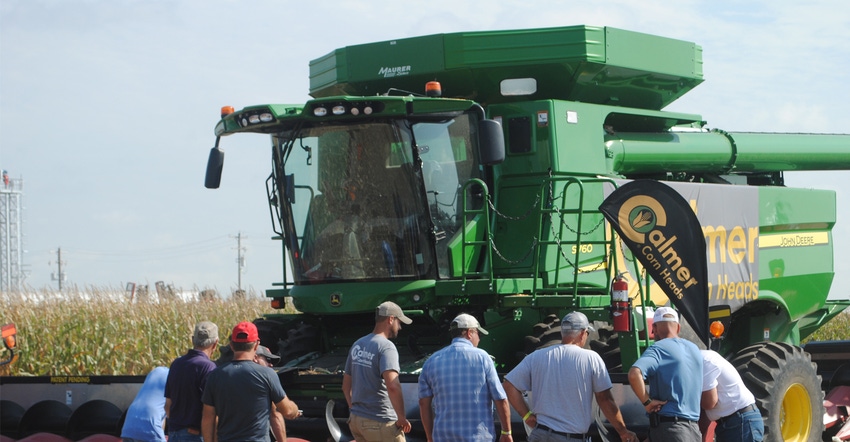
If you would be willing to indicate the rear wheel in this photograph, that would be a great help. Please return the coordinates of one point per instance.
(787, 389)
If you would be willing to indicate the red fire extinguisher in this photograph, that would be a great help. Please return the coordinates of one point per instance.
(621, 306)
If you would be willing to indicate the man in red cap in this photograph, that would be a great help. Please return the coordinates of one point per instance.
(237, 393)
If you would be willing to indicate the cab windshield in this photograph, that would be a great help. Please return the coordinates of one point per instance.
(377, 200)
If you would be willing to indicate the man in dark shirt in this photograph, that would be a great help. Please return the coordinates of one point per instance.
(185, 384)
(237, 395)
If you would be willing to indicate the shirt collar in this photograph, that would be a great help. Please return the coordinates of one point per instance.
(462, 341)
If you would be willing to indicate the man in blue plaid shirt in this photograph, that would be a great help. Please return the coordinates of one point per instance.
(461, 384)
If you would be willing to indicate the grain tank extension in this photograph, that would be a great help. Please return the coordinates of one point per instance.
(485, 199)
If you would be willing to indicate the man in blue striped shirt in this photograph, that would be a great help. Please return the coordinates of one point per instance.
(461, 384)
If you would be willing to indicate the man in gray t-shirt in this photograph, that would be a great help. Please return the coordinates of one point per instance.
(237, 395)
(370, 384)
(563, 381)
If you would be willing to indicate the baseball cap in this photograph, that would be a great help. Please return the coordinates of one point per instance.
(665, 314)
(205, 333)
(465, 321)
(264, 351)
(575, 321)
(392, 309)
(244, 332)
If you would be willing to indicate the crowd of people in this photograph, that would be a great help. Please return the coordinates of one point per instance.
(459, 391)
(552, 389)
(237, 398)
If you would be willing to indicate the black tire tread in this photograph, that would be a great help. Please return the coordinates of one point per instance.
(767, 369)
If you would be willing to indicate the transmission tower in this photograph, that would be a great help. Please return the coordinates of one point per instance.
(12, 274)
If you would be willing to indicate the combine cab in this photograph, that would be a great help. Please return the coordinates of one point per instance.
(482, 195)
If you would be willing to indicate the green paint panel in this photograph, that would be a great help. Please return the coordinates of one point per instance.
(784, 208)
(795, 246)
(581, 63)
(357, 298)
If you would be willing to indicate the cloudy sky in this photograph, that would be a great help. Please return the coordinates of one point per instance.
(107, 109)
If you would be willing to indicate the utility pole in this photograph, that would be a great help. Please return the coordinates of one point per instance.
(240, 261)
(60, 275)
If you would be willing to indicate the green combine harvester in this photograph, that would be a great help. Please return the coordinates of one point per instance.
(465, 172)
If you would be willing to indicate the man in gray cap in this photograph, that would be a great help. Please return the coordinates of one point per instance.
(673, 367)
(370, 383)
(553, 370)
(266, 358)
(461, 384)
(185, 384)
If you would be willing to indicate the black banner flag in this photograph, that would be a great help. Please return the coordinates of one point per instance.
(663, 233)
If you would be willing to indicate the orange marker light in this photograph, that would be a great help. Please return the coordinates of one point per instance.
(9, 330)
(433, 89)
(716, 329)
(226, 110)
(278, 303)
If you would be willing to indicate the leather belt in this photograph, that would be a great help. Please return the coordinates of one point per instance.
(748, 408)
(582, 436)
(673, 419)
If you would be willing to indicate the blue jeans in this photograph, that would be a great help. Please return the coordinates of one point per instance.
(184, 436)
(740, 427)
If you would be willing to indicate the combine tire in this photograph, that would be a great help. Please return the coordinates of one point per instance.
(299, 341)
(787, 389)
(544, 334)
(606, 342)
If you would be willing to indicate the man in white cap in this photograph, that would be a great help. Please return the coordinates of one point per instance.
(673, 367)
(551, 371)
(461, 383)
(370, 383)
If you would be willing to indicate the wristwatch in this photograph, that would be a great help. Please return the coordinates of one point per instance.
(647, 401)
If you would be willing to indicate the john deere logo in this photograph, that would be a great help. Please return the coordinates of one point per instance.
(640, 215)
(336, 299)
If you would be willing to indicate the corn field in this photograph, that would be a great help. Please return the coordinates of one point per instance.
(837, 329)
(101, 332)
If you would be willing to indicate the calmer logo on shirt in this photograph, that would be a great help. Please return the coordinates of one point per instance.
(360, 356)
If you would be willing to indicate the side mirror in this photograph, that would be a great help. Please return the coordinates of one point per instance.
(491, 142)
(214, 167)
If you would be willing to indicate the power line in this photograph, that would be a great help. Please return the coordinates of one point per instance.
(204, 245)
(175, 251)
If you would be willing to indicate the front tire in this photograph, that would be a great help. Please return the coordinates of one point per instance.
(786, 385)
